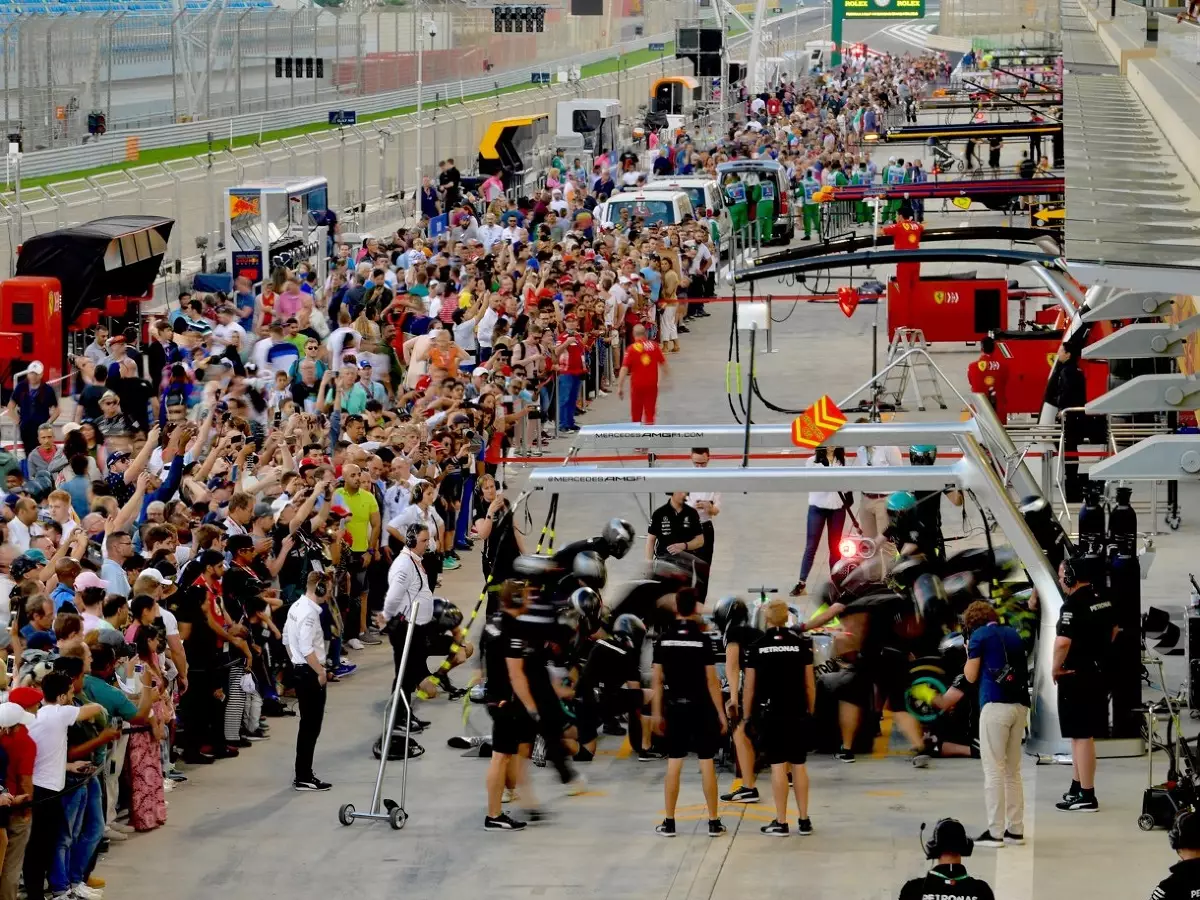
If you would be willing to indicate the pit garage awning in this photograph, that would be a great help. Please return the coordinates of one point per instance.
(119, 256)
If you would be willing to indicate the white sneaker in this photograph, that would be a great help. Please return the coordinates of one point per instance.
(168, 785)
(113, 835)
(508, 796)
(123, 827)
(576, 786)
(85, 892)
(355, 644)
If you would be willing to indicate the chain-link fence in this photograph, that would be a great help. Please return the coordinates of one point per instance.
(372, 169)
(144, 70)
(1028, 21)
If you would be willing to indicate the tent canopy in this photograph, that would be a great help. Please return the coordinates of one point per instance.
(119, 256)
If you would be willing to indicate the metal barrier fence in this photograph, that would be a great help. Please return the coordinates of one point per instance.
(372, 168)
(970, 18)
(149, 70)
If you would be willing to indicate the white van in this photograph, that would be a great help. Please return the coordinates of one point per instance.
(705, 194)
(652, 206)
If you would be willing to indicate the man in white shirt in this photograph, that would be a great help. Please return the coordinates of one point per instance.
(487, 327)
(25, 514)
(305, 644)
(490, 233)
(708, 506)
(408, 590)
(872, 509)
(227, 332)
(398, 493)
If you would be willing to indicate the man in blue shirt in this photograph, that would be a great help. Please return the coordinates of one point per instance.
(653, 278)
(243, 299)
(996, 663)
(32, 404)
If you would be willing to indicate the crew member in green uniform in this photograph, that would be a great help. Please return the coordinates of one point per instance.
(812, 209)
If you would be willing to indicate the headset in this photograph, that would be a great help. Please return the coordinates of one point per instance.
(1070, 573)
(1185, 830)
(413, 534)
(322, 588)
(948, 836)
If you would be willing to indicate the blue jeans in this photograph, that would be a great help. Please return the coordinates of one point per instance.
(818, 519)
(84, 827)
(568, 395)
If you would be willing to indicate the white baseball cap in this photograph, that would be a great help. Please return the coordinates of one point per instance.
(35, 368)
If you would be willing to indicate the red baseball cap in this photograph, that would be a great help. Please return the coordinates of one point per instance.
(25, 696)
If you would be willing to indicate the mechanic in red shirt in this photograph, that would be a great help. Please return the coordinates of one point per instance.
(988, 375)
(643, 359)
(571, 369)
(906, 235)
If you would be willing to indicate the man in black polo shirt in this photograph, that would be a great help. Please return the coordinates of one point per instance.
(687, 705)
(674, 528)
(779, 677)
(513, 712)
(1085, 632)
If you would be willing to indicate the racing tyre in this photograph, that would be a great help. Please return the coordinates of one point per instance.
(1146, 822)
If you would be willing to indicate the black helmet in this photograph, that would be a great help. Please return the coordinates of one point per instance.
(909, 569)
(922, 454)
(536, 568)
(670, 571)
(446, 616)
(587, 604)
(929, 599)
(629, 630)
(589, 568)
(729, 613)
(618, 534)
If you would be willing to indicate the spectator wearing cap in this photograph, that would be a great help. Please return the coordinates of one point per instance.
(569, 351)
(32, 404)
(118, 548)
(20, 754)
(114, 425)
(124, 468)
(373, 387)
(49, 732)
(118, 351)
(91, 591)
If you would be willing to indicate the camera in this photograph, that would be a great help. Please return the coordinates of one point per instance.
(431, 28)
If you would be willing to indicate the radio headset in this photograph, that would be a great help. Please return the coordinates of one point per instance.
(941, 842)
(1070, 574)
(1185, 830)
(412, 534)
(322, 588)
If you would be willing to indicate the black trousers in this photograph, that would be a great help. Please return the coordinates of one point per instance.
(706, 553)
(44, 833)
(201, 713)
(310, 694)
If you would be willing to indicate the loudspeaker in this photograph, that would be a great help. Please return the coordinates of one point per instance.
(587, 7)
(687, 40)
(711, 40)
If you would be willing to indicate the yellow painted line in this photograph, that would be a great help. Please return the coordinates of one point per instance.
(883, 743)
(885, 793)
(626, 750)
(591, 794)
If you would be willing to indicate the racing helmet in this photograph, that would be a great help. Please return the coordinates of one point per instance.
(589, 568)
(729, 613)
(929, 599)
(922, 454)
(536, 567)
(629, 631)
(618, 534)
(587, 605)
(900, 502)
(446, 616)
